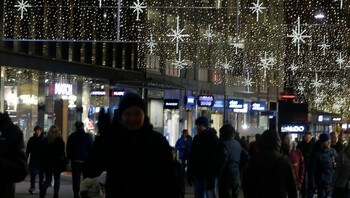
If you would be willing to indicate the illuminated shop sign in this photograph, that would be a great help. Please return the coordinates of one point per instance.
(235, 103)
(63, 89)
(118, 93)
(258, 106)
(244, 110)
(219, 103)
(336, 119)
(205, 100)
(189, 100)
(322, 118)
(171, 103)
(293, 128)
(97, 93)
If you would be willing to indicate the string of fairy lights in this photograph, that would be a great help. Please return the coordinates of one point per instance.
(269, 43)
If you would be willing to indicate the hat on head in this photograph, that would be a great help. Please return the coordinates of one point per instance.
(129, 100)
(202, 121)
(323, 137)
(269, 140)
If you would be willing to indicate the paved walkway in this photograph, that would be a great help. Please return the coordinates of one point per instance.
(65, 189)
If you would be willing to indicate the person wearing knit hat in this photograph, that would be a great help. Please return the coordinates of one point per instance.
(132, 111)
(321, 167)
(138, 160)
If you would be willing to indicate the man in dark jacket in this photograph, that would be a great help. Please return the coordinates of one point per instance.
(205, 160)
(183, 145)
(78, 146)
(13, 161)
(322, 164)
(229, 179)
(33, 151)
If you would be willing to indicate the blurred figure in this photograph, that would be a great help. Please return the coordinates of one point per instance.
(229, 178)
(78, 145)
(183, 145)
(33, 151)
(342, 174)
(253, 146)
(336, 143)
(204, 163)
(137, 159)
(54, 160)
(13, 161)
(305, 147)
(296, 158)
(269, 174)
(322, 163)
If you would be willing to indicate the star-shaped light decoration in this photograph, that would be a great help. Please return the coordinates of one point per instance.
(293, 68)
(22, 6)
(247, 82)
(236, 46)
(179, 64)
(301, 88)
(226, 65)
(257, 7)
(177, 34)
(100, 4)
(324, 46)
(340, 61)
(298, 36)
(318, 100)
(151, 44)
(316, 83)
(138, 8)
(266, 63)
(209, 34)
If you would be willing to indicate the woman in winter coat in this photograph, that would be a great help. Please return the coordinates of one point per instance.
(54, 160)
(138, 160)
(13, 161)
(341, 177)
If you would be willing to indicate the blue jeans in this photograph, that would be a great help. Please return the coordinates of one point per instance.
(201, 189)
(47, 183)
(33, 172)
(77, 171)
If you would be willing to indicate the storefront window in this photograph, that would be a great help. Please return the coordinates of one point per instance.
(20, 97)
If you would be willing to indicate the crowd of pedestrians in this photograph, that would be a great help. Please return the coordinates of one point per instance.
(129, 159)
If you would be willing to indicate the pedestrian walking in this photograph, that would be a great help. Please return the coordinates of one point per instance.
(54, 160)
(341, 180)
(138, 160)
(34, 154)
(206, 160)
(13, 161)
(183, 145)
(229, 179)
(268, 173)
(78, 145)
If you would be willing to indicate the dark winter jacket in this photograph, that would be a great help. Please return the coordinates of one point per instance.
(53, 155)
(138, 163)
(34, 151)
(232, 153)
(321, 170)
(78, 145)
(269, 174)
(206, 157)
(13, 162)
